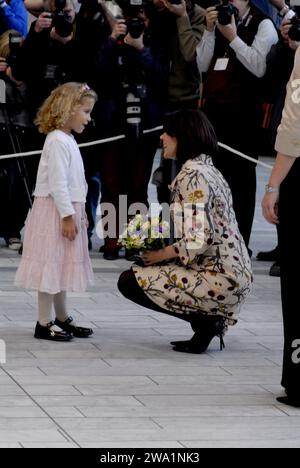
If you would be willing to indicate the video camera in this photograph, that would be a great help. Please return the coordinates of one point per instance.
(61, 21)
(226, 10)
(131, 9)
(294, 32)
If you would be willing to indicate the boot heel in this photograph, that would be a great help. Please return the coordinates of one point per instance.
(222, 344)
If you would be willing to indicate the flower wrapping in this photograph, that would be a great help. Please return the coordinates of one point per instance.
(145, 232)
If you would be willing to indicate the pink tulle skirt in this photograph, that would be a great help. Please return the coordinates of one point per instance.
(50, 262)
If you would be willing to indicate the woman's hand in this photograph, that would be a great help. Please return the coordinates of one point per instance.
(157, 256)
(69, 228)
(270, 207)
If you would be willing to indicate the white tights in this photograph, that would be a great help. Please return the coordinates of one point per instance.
(45, 302)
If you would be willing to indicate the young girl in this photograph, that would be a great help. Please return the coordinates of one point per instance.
(55, 256)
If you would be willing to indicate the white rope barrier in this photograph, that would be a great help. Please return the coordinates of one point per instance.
(242, 155)
(122, 137)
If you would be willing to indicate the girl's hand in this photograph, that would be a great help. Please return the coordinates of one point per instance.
(157, 256)
(69, 228)
(270, 207)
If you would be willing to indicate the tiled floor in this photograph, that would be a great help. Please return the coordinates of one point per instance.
(125, 387)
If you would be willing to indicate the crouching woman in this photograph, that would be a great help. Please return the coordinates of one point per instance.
(206, 275)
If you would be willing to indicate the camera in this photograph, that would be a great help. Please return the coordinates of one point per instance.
(134, 103)
(226, 10)
(61, 20)
(15, 42)
(294, 32)
(131, 10)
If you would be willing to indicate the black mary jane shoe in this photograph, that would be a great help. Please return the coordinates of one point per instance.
(206, 328)
(78, 332)
(47, 333)
(290, 401)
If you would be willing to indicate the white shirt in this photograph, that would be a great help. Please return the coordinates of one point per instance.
(61, 173)
(252, 57)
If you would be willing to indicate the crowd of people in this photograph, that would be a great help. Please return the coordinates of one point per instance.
(165, 56)
(159, 61)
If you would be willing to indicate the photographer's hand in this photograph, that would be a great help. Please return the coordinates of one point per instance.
(136, 43)
(3, 65)
(57, 37)
(228, 31)
(211, 18)
(119, 29)
(44, 21)
(293, 44)
(178, 10)
(157, 256)
(284, 30)
(11, 77)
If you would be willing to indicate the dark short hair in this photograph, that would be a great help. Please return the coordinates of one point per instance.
(194, 133)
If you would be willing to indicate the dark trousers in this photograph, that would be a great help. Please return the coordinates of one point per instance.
(238, 127)
(289, 252)
(125, 169)
(240, 175)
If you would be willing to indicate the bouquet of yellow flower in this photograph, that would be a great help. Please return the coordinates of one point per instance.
(145, 233)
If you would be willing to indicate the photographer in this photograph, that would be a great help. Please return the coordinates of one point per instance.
(15, 123)
(131, 70)
(233, 54)
(182, 25)
(13, 15)
(48, 57)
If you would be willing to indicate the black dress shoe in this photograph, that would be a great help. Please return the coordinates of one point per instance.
(111, 254)
(47, 333)
(78, 332)
(275, 270)
(290, 401)
(270, 256)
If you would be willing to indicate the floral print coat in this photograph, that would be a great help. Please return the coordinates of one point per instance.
(212, 271)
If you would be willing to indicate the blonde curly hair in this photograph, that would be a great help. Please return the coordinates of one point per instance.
(61, 105)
